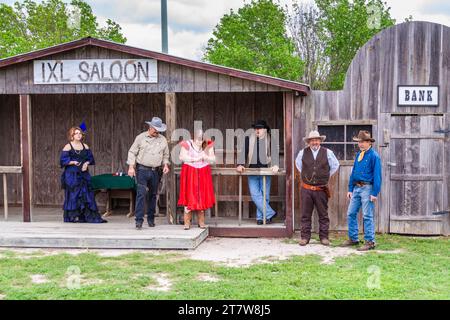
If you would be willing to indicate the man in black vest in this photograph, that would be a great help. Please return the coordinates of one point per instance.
(316, 165)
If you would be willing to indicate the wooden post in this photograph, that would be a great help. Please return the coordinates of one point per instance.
(288, 99)
(264, 199)
(5, 196)
(216, 205)
(240, 199)
(171, 190)
(26, 155)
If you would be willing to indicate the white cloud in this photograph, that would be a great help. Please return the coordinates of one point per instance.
(401, 9)
(182, 14)
(187, 44)
(437, 7)
(191, 22)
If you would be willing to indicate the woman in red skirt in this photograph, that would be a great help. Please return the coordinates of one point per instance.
(196, 186)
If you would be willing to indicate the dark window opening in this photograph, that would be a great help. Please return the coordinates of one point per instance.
(339, 139)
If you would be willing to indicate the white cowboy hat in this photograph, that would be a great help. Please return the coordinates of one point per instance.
(314, 135)
(157, 124)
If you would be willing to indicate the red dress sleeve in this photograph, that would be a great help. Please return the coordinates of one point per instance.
(210, 144)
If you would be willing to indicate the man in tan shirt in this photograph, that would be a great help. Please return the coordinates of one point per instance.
(146, 157)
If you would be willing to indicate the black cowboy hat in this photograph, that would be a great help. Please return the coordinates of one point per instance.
(261, 124)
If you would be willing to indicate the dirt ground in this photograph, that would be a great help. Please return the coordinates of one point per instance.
(235, 252)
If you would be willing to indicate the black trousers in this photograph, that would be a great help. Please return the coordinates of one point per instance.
(147, 187)
(319, 200)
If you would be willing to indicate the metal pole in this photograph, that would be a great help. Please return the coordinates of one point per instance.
(165, 46)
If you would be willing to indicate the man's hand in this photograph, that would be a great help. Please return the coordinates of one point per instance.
(275, 169)
(166, 169)
(131, 171)
(349, 195)
(240, 169)
(373, 199)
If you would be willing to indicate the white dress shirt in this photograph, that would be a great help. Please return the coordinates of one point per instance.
(333, 162)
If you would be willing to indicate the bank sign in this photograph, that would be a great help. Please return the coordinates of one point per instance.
(91, 71)
(418, 96)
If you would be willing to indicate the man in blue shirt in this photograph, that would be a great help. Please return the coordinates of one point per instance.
(363, 189)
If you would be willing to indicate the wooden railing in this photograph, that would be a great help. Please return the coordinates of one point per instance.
(216, 172)
(4, 170)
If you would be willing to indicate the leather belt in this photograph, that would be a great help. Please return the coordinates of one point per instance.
(313, 188)
(362, 183)
(146, 167)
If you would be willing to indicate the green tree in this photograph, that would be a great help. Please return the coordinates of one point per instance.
(254, 39)
(345, 26)
(304, 26)
(29, 25)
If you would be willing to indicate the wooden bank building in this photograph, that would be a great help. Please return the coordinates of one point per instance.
(397, 87)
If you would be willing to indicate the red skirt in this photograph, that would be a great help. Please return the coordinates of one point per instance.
(196, 188)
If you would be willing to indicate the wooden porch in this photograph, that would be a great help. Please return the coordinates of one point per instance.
(185, 92)
(48, 231)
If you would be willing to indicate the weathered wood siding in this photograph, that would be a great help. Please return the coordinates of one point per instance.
(113, 121)
(18, 79)
(10, 144)
(232, 111)
(415, 53)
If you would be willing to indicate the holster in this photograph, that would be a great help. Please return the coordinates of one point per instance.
(327, 191)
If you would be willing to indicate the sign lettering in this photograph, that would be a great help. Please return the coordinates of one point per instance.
(418, 95)
(95, 71)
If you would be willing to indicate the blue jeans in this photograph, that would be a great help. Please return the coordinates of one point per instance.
(255, 185)
(147, 188)
(361, 198)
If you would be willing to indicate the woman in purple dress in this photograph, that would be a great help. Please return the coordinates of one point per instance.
(79, 200)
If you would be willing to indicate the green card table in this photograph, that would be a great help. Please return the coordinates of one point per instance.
(116, 187)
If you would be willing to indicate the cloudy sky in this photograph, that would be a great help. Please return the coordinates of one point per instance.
(191, 22)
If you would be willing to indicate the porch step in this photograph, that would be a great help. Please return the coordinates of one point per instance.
(98, 236)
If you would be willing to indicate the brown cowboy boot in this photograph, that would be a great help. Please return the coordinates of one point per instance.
(349, 243)
(325, 242)
(303, 242)
(201, 219)
(368, 245)
(187, 220)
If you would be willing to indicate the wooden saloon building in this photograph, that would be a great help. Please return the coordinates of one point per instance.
(397, 87)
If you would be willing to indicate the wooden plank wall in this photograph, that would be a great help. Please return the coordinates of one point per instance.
(419, 169)
(233, 111)
(10, 145)
(113, 121)
(327, 108)
(18, 79)
(409, 53)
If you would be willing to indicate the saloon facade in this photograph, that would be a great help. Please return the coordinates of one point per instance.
(397, 87)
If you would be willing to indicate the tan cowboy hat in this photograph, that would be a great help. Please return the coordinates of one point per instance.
(363, 135)
(314, 135)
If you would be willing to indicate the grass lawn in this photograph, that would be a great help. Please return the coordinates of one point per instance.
(419, 270)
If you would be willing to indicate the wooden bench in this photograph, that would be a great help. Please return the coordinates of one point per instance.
(243, 201)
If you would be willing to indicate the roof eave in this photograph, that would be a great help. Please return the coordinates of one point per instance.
(303, 89)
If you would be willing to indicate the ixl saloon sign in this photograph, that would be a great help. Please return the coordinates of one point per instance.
(418, 96)
(95, 71)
